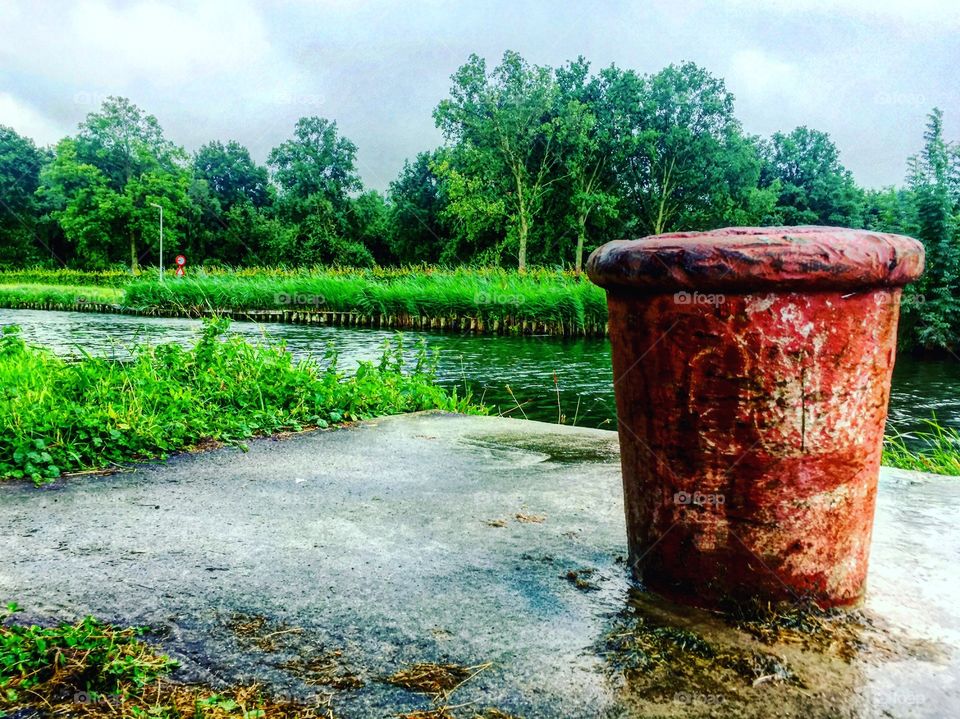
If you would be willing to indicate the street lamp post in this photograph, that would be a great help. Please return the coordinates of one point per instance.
(160, 207)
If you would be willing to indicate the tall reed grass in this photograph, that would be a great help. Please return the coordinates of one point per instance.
(555, 298)
(550, 297)
(935, 449)
(28, 295)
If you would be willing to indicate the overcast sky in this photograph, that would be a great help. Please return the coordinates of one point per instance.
(866, 71)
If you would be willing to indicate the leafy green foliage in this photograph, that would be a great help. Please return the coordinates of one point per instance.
(59, 416)
(317, 161)
(232, 175)
(504, 121)
(93, 657)
(934, 183)
(93, 669)
(812, 187)
(416, 206)
(20, 163)
(102, 187)
(64, 276)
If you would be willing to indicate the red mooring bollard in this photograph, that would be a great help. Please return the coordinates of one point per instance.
(752, 372)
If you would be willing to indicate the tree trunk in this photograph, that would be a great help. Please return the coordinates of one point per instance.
(522, 230)
(581, 239)
(134, 267)
(522, 241)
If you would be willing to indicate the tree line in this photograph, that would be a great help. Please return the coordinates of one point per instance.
(539, 165)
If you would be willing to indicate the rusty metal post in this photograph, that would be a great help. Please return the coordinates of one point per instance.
(752, 372)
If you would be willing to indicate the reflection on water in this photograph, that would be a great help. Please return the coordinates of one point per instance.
(547, 376)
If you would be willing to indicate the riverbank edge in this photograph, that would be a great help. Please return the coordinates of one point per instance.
(454, 323)
(213, 445)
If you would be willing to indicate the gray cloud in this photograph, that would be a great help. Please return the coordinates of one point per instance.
(866, 71)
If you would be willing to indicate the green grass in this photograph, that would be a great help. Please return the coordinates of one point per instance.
(41, 276)
(31, 294)
(96, 670)
(540, 296)
(58, 416)
(32, 655)
(935, 449)
(548, 296)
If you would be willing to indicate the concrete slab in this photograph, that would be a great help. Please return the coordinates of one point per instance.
(441, 538)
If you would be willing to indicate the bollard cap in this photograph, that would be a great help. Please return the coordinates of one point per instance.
(741, 259)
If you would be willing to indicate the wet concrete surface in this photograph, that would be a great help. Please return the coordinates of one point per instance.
(484, 542)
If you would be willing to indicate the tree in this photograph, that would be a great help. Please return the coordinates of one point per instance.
(169, 190)
(680, 156)
(248, 236)
(370, 225)
(316, 173)
(813, 187)
(227, 189)
(934, 181)
(506, 119)
(476, 207)
(317, 161)
(586, 150)
(124, 144)
(318, 238)
(890, 210)
(232, 175)
(20, 163)
(417, 202)
(90, 212)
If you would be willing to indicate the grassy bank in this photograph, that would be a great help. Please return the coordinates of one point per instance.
(935, 449)
(556, 302)
(484, 300)
(559, 301)
(58, 416)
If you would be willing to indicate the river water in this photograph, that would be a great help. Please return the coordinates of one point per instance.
(518, 376)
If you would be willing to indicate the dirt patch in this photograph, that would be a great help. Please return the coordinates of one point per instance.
(324, 669)
(530, 518)
(582, 579)
(311, 663)
(432, 678)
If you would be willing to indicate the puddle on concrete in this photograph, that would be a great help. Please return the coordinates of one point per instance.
(548, 448)
(666, 660)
